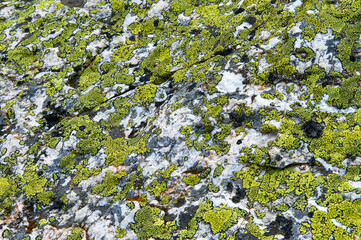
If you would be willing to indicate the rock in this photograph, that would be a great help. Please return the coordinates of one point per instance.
(179, 119)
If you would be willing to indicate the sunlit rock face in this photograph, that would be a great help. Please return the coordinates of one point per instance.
(180, 119)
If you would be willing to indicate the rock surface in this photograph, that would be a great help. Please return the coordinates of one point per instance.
(181, 119)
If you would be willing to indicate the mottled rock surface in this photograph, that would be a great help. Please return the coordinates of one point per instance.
(159, 119)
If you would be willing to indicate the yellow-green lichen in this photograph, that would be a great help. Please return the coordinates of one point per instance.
(148, 223)
(191, 179)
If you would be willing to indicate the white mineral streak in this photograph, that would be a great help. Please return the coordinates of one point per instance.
(271, 43)
(242, 27)
(230, 83)
(263, 65)
(324, 107)
(292, 7)
(51, 59)
(51, 232)
(103, 229)
(82, 213)
(97, 44)
(157, 8)
(296, 29)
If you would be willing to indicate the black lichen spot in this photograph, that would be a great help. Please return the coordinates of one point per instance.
(238, 11)
(132, 38)
(332, 1)
(313, 129)
(186, 216)
(238, 119)
(246, 236)
(81, 128)
(332, 46)
(156, 23)
(355, 53)
(251, 35)
(272, 77)
(2, 132)
(73, 3)
(224, 52)
(195, 31)
(169, 217)
(73, 79)
(251, 19)
(245, 58)
(58, 205)
(146, 76)
(312, 161)
(331, 80)
(239, 141)
(310, 214)
(53, 116)
(138, 183)
(180, 202)
(282, 226)
(240, 194)
(229, 187)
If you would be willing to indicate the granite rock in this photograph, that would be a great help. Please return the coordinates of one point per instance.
(159, 119)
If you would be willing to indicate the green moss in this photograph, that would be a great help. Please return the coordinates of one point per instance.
(10, 113)
(131, 205)
(304, 114)
(123, 53)
(64, 199)
(261, 215)
(164, 200)
(52, 142)
(33, 184)
(191, 179)
(268, 187)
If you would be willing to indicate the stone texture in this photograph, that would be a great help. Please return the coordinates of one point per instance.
(180, 119)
